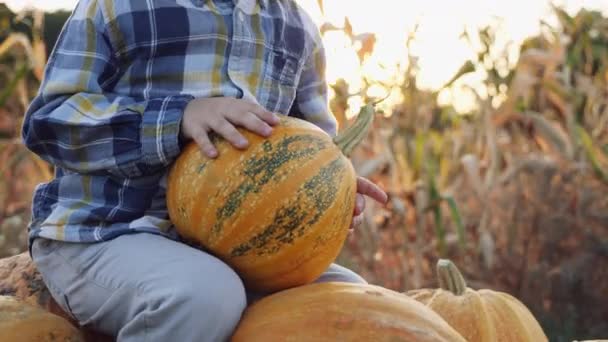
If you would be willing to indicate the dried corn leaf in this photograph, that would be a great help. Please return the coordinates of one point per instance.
(553, 133)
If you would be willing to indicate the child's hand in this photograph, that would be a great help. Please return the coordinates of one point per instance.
(365, 188)
(221, 115)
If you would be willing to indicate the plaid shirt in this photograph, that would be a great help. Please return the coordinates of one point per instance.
(108, 112)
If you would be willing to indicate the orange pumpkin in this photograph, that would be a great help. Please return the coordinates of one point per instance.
(22, 322)
(20, 279)
(342, 312)
(278, 212)
(479, 316)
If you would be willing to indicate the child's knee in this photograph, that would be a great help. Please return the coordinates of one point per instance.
(202, 305)
(217, 298)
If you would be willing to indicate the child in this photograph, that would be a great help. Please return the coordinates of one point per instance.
(128, 83)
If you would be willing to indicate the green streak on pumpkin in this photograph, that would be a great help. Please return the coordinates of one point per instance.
(201, 167)
(260, 170)
(292, 220)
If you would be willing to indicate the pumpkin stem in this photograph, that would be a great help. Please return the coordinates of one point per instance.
(450, 278)
(353, 135)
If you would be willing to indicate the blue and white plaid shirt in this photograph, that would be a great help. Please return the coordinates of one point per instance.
(108, 112)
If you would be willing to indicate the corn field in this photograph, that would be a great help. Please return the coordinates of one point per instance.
(514, 191)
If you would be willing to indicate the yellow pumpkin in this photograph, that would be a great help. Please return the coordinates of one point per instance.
(342, 312)
(277, 212)
(479, 316)
(22, 322)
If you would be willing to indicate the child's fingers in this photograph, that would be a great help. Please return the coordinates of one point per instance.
(356, 222)
(367, 188)
(269, 117)
(203, 141)
(359, 204)
(227, 130)
(251, 122)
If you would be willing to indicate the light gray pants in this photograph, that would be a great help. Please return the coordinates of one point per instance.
(145, 287)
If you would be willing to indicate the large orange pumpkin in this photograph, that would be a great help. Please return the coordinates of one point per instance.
(342, 312)
(479, 316)
(22, 322)
(278, 212)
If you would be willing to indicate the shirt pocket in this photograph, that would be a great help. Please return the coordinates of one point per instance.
(281, 79)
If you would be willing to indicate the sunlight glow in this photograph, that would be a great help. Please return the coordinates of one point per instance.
(438, 45)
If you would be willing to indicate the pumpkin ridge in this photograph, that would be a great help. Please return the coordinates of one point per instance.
(217, 193)
(258, 171)
(513, 312)
(516, 309)
(431, 299)
(491, 331)
(287, 271)
(291, 220)
(252, 218)
(326, 239)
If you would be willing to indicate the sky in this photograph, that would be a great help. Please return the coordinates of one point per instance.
(439, 47)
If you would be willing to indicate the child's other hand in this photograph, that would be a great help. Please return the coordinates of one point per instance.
(221, 115)
(366, 188)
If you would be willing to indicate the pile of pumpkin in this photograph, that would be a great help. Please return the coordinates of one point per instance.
(318, 312)
(279, 213)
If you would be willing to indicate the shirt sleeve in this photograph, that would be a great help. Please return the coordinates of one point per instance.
(311, 103)
(77, 122)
